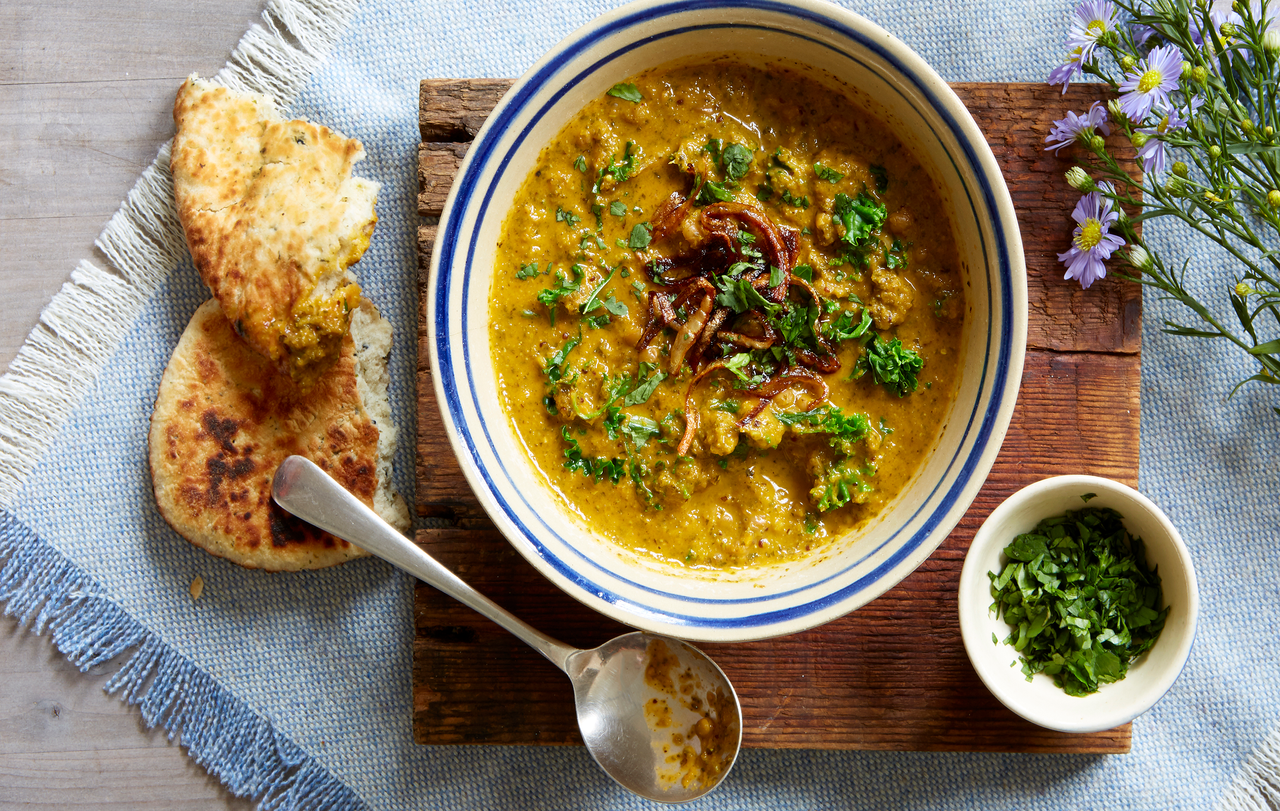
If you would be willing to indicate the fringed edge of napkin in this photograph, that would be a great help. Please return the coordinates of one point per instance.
(48, 593)
(77, 334)
(1256, 786)
(80, 328)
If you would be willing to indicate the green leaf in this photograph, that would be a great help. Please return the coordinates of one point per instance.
(618, 208)
(891, 364)
(881, 178)
(641, 236)
(861, 217)
(626, 92)
(827, 173)
(736, 160)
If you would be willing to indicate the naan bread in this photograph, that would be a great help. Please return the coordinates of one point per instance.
(224, 420)
(274, 220)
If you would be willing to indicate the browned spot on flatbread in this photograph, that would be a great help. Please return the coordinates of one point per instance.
(212, 465)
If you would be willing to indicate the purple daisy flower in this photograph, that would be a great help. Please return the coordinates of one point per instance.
(1067, 72)
(1092, 243)
(1150, 83)
(1218, 14)
(1093, 18)
(1077, 127)
(1153, 152)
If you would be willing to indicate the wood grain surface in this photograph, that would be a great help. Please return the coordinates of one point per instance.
(892, 675)
(86, 93)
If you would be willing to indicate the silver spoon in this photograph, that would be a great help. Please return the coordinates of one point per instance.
(657, 715)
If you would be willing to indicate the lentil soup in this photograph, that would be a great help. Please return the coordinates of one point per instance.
(726, 314)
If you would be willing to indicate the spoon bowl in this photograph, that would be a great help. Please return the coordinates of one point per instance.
(656, 714)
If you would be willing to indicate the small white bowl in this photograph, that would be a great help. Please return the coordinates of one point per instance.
(896, 86)
(1040, 701)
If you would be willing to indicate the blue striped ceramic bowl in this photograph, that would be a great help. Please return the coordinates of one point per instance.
(897, 87)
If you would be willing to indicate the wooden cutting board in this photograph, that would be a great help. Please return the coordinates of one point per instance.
(891, 675)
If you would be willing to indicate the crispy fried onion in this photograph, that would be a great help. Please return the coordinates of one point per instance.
(706, 244)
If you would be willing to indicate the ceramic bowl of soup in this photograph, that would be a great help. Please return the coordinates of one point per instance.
(728, 313)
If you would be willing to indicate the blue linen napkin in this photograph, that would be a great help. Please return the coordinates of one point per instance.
(296, 688)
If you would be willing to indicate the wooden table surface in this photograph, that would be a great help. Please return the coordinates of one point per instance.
(86, 93)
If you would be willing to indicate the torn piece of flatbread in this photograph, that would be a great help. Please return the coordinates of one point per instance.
(224, 419)
(274, 221)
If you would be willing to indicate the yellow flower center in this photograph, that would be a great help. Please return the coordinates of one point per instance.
(1150, 81)
(1096, 28)
(1163, 126)
(1090, 234)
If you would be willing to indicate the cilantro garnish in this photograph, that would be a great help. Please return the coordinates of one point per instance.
(618, 208)
(891, 364)
(841, 483)
(598, 467)
(567, 216)
(640, 237)
(550, 296)
(737, 294)
(626, 92)
(827, 173)
(645, 387)
(791, 200)
(610, 304)
(736, 161)
(881, 177)
(861, 217)
(618, 170)
(527, 271)
(709, 191)
(580, 163)
(1079, 599)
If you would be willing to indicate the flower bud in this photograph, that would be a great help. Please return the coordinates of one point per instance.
(1243, 290)
(1139, 139)
(1097, 143)
(1186, 70)
(1248, 126)
(1215, 152)
(1273, 198)
(1228, 30)
(1175, 186)
(1128, 63)
(1179, 169)
(1271, 42)
(1200, 74)
(1268, 132)
(1212, 198)
(1079, 180)
(1116, 111)
(1139, 258)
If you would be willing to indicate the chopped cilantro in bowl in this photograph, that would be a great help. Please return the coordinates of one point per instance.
(1079, 598)
(1054, 587)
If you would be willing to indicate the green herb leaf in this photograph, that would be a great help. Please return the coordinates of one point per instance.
(626, 92)
(891, 364)
(736, 160)
(1079, 599)
(641, 236)
(564, 286)
(827, 173)
(861, 217)
(881, 177)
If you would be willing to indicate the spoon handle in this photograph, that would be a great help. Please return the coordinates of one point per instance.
(302, 488)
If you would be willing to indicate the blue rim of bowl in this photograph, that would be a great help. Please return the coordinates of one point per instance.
(451, 236)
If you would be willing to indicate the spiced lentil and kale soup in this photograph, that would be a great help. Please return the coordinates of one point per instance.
(726, 314)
